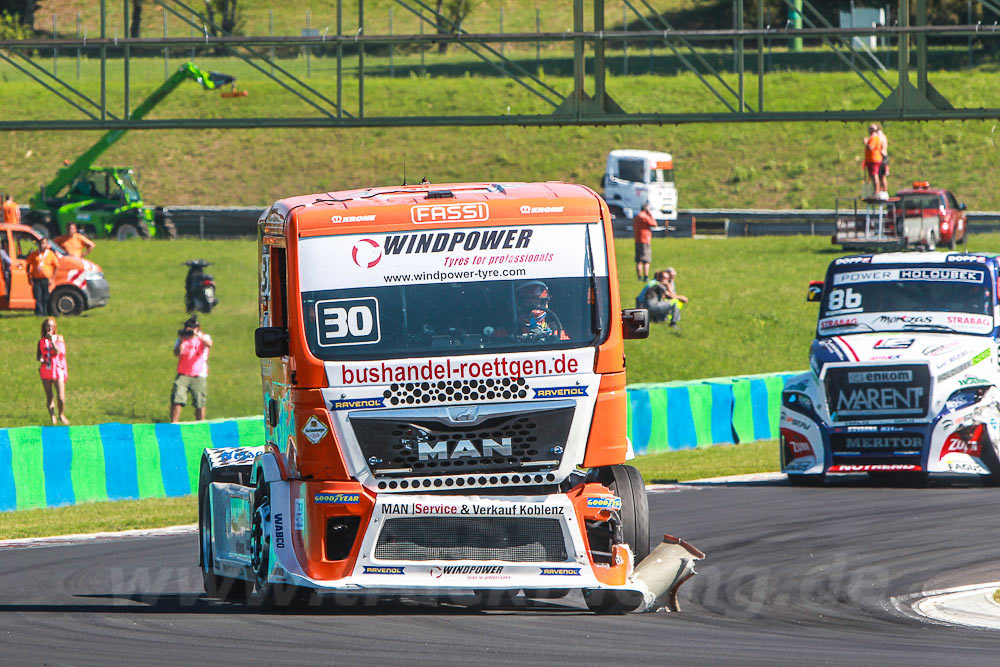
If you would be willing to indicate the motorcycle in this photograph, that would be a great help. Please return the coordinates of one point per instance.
(199, 287)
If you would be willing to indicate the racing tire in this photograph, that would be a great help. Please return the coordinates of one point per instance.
(625, 482)
(216, 586)
(260, 592)
(66, 300)
(806, 480)
(993, 463)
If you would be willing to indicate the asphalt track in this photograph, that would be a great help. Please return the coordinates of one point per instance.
(793, 577)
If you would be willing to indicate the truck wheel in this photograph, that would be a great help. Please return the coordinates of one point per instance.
(806, 480)
(993, 463)
(167, 230)
(129, 230)
(626, 483)
(222, 588)
(261, 592)
(66, 301)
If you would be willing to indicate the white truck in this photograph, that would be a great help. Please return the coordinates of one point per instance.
(903, 374)
(633, 177)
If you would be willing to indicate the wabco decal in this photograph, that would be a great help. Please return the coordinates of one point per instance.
(559, 392)
(337, 498)
(382, 569)
(279, 530)
(471, 212)
(607, 503)
(560, 572)
(355, 403)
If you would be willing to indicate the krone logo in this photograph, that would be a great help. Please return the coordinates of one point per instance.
(366, 253)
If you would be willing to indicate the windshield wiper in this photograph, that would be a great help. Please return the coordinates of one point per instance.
(929, 327)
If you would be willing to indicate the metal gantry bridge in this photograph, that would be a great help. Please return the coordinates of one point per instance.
(338, 100)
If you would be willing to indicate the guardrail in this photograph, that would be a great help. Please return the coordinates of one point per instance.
(52, 466)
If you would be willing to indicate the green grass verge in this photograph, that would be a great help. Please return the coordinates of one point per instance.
(161, 512)
(99, 517)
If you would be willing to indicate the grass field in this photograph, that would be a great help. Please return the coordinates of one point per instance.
(160, 512)
(748, 314)
(775, 165)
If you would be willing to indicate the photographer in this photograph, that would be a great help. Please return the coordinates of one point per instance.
(191, 349)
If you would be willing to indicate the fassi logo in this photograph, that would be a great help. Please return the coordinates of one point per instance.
(366, 253)
(471, 212)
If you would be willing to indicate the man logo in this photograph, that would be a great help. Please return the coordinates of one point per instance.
(366, 253)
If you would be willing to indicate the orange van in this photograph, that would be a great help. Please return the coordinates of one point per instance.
(78, 284)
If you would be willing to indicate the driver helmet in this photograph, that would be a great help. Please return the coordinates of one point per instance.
(532, 300)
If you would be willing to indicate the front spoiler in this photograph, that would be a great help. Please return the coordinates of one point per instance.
(650, 586)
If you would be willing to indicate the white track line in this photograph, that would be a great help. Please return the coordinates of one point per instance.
(64, 540)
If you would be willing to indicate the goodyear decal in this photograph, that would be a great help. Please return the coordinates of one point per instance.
(607, 503)
(354, 403)
(560, 392)
(382, 569)
(561, 571)
(337, 498)
(979, 357)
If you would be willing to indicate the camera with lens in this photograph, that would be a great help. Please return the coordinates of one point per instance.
(186, 332)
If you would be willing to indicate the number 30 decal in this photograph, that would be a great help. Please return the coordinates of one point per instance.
(347, 322)
(841, 299)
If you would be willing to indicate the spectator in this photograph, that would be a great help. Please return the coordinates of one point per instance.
(653, 298)
(873, 159)
(42, 264)
(11, 211)
(74, 242)
(191, 349)
(674, 300)
(883, 170)
(51, 353)
(5, 263)
(643, 226)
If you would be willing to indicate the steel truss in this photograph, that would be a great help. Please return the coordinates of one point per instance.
(895, 99)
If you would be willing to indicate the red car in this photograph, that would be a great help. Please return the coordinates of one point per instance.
(924, 201)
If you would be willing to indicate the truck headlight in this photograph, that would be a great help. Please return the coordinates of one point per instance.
(93, 275)
(963, 398)
(796, 401)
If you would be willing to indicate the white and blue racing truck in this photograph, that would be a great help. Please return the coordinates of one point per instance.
(903, 372)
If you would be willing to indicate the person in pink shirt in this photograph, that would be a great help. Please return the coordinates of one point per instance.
(191, 349)
(51, 354)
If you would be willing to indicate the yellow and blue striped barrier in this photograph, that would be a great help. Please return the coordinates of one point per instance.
(50, 466)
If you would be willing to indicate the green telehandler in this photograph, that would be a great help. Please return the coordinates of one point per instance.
(105, 201)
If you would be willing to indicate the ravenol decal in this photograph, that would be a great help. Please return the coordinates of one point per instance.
(561, 571)
(352, 403)
(560, 392)
(608, 503)
(337, 498)
(382, 569)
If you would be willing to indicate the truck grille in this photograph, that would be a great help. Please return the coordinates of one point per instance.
(429, 444)
(878, 392)
(876, 448)
(509, 539)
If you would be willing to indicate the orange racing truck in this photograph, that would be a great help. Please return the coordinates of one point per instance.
(443, 377)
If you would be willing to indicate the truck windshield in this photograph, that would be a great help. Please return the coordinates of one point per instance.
(662, 175)
(931, 297)
(129, 187)
(505, 289)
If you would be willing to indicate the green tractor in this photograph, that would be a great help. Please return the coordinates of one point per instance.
(105, 201)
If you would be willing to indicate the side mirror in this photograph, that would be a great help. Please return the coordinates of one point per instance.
(815, 292)
(961, 207)
(635, 323)
(270, 342)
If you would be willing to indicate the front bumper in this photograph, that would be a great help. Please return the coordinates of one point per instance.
(541, 541)
(98, 292)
